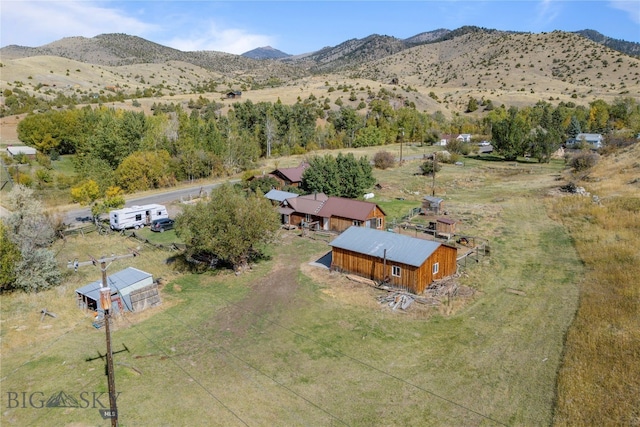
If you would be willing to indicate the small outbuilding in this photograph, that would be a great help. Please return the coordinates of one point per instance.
(15, 150)
(131, 290)
(394, 259)
(445, 227)
(431, 204)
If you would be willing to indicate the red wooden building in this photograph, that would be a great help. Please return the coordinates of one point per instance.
(394, 259)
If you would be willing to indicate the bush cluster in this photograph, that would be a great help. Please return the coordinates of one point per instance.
(383, 160)
(583, 160)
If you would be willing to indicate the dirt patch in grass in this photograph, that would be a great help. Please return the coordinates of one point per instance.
(276, 289)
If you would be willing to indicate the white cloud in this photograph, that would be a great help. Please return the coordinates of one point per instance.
(630, 7)
(547, 12)
(34, 23)
(228, 40)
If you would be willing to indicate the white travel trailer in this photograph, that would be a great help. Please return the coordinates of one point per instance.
(136, 216)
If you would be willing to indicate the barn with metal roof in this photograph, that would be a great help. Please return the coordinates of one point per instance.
(394, 259)
(131, 290)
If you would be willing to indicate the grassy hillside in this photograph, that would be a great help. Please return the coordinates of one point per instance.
(507, 68)
(599, 378)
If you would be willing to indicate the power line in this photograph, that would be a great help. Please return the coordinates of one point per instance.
(37, 355)
(370, 366)
(187, 373)
(263, 373)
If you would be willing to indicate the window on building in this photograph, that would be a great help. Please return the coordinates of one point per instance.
(395, 271)
(379, 223)
(357, 223)
(307, 218)
(435, 268)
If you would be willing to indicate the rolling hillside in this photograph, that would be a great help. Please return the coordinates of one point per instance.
(436, 71)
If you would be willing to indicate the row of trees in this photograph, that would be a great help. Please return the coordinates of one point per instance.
(117, 148)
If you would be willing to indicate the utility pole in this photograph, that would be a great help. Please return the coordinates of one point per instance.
(401, 141)
(105, 303)
(433, 183)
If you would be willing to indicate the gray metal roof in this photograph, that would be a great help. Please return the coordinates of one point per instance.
(433, 199)
(118, 282)
(279, 195)
(372, 242)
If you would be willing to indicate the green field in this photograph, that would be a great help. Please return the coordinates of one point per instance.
(288, 344)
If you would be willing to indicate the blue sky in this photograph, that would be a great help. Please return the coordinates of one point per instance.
(298, 27)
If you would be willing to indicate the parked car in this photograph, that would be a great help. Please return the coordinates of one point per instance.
(162, 224)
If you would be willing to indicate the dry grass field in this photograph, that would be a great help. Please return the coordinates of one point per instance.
(599, 380)
(291, 344)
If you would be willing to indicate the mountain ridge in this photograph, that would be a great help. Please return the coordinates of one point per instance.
(434, 70)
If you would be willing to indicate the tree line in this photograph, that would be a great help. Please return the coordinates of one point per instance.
(133, 151)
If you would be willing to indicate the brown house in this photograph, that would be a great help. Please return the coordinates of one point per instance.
(303, 211)
(290, 176)
(320, 212)
(340, 214)
(394, 259)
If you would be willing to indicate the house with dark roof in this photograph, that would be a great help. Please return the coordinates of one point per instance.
(290, 176)
(303, 211)
(320, 212)
(394, 259)
(339, 214)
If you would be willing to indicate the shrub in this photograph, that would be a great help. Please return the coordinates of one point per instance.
(383, 160)
(43, 160)
(459, 147)
(583, 160)
(427, 168)
(44, 176)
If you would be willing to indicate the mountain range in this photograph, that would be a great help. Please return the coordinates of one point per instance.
(434, 70)
(630, 48)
